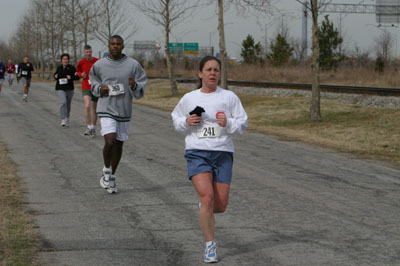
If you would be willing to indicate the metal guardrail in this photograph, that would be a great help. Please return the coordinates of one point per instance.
(304, 86)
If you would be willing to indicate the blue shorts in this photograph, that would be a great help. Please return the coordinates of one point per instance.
(219, 163)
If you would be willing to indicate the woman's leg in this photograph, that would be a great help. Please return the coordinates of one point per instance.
(69, 95)
(63, 104)
(204, 188)
(221, 196)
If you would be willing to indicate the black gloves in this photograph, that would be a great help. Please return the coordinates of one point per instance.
(198, 110)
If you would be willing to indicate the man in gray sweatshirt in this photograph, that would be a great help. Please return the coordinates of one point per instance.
(116, 80)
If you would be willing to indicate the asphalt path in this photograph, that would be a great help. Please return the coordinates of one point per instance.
(290, 204)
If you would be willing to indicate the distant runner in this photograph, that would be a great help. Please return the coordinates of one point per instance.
(10, 68)
(2, 72)
(25, 73)
(65, 75)
(83, 70)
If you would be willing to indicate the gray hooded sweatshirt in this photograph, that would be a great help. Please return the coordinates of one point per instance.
(115, 74)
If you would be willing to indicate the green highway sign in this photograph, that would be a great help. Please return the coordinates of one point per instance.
(186, 48)
(191, 48)
(175, 47)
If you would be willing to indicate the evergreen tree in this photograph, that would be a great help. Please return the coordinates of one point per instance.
(251, 51)
(329, 42)
(281, 51)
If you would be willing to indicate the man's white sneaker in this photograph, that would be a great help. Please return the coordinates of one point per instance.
(66, 121)
(105, 177)
(210, 253)
(112, 186)
(93, 132)
(103, 183)
(63, 124)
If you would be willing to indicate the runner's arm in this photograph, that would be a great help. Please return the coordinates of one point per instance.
(79, 70)
(179, 116)
(75, 75)
(140, 78)
(95, 81)
(238, 122)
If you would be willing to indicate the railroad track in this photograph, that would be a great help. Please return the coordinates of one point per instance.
(304, 86)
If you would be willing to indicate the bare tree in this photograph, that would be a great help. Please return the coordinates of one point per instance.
(243, 6)
(167, 14)
(113, 18)
(315, 109)
(88, 13)
(383, 46)
(73, 23)
(299, 50)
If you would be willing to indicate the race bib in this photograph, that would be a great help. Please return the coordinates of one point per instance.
(63, 81)
(116, 89)
(24, 73)
(209, 131)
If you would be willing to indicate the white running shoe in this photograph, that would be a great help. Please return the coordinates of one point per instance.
(93, 132)
(210, 253)
(87, 132)
(112, 186)
(25, 98)
(67, 121)
(105, 178)
(63, 124)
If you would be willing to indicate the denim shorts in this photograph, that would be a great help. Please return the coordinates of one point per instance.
(219, 163)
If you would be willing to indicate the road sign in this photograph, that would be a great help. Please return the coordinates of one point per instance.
(175, 47)
(191, 48)
(144, 45)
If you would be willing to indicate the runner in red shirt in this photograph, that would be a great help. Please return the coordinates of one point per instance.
(83, 70)
(10, 69)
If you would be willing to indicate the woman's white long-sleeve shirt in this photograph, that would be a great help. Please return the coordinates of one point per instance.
(208, 135)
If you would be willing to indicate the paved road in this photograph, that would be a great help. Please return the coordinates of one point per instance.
(291, 204)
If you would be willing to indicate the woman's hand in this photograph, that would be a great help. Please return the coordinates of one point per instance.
(221, 118)
(193, 120)
(68, 77)
(56, 76)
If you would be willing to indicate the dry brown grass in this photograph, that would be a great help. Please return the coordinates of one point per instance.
(346, 75)
(17, 237)
(368, 132)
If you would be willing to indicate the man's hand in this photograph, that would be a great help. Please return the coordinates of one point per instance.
(104, 91)
(131, 82)
(56, 76)
(68, 77)
(193, 120)
(84, 75)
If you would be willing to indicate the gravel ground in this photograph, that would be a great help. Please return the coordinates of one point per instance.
(363, 100)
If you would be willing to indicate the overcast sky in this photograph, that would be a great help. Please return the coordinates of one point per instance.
(358, 29)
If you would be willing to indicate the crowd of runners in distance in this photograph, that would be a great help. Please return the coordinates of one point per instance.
(207, 117)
